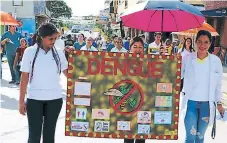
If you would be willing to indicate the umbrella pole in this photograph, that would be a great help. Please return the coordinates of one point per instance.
(162, 20)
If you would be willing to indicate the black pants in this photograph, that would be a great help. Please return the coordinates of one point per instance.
(42, 115)
(132, 141)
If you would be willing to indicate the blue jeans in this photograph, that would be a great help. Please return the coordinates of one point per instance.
(196, 121)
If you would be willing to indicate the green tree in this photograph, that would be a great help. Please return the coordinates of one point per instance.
(59, 8)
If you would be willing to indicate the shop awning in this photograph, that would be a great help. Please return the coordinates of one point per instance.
(222, 12)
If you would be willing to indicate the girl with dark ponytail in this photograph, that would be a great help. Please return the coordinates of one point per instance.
(41, 67)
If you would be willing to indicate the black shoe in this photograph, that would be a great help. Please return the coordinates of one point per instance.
(12, 82)
(17, 83)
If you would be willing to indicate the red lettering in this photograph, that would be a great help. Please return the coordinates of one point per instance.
(93, 66)
(133, 67)
(147, 70)
(105, 66)
(120, 66)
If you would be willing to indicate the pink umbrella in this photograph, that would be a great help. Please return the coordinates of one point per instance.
(163, 16)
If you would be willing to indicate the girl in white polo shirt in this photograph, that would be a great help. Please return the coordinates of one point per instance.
(41, 67)
(202, 73)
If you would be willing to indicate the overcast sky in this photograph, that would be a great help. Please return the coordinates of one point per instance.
(85, 7)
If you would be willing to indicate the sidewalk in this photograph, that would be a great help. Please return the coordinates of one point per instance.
(14, 128)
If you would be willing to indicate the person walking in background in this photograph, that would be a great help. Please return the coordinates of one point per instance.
(26, 36)
(137, 46)
(127, 43)
(95, 43)
(1, 55)
(41, 67)
(166, 49)
(11, 40)
(89, 46)
(75, 39)
(113, 44)
(30, 39)
(119, 46)
(18, 58)
(68, 43)
(145, 43)
(175, 47)
(187, 48)
(59, 43)
(78, 45)
(202, 73)
(181, 44)
(154, 48)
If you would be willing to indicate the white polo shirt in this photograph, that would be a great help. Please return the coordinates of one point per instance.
(184, 53)
(122, 50)
(84, 48)
(45, 84)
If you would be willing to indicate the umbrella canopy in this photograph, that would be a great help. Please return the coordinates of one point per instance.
(162, 16)
(7, 19)
(194, 31)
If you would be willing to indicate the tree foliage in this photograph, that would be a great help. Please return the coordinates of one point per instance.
(59, 8)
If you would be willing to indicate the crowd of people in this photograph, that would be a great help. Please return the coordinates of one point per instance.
(34, 61)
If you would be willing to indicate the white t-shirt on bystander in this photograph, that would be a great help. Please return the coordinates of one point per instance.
(60, 44)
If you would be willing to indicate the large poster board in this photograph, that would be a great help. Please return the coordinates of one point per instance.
(123, 95)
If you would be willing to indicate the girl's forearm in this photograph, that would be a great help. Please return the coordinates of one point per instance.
(23, 86)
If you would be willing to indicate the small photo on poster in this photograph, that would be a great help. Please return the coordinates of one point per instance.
(123, 125)
(144, 117)
(164, 87)
(163, 101)
(100, 113)
(80, 126)
(163, 117)
(102, 126)
(82, 101)
(82, 88)
(144, 129)
(81, 113)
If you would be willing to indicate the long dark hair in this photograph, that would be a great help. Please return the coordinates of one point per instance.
(190, 48)
(136, 39)
(46, 29)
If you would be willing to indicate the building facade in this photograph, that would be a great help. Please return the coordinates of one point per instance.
(216, 15)
(30, 13)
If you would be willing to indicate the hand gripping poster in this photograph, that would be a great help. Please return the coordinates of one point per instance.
(123, 95)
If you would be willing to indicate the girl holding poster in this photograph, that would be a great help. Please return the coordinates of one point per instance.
(202, 73)
(41, 67)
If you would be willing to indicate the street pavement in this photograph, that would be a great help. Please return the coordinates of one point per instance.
(14, 128)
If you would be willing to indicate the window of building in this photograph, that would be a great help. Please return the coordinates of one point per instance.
(220, 29)
(126, 3)
(17, 2)
(210, 21)
(111, 7)
(111, 4)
